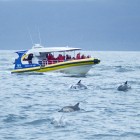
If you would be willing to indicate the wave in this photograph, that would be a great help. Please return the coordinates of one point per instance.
(13, 118)
(123, 135)
(4, 59)
(104, 68)
(126, 134)
(9, 69)
(92, 73)
(37, 122)
(105, 87)
(105, 112)
(29, 73)
(135, 82)
(72, 75)
(117, 68)
(120, 68)
(58, 121)
(126, 68)
(27, 107)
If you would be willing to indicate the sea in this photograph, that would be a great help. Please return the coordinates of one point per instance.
(29, 102)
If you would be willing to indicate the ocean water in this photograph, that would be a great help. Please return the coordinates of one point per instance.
(29, 103)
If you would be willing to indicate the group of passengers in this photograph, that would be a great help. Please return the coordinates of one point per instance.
(50, 59)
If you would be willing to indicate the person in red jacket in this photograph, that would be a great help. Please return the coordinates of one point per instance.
(78, 56)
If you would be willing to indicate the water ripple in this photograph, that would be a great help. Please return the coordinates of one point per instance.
(30, 102)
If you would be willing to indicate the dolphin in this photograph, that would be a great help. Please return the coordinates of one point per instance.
(124, 87)
(78, 86)
(70, 108)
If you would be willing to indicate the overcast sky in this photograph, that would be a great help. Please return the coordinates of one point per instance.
(88, 24)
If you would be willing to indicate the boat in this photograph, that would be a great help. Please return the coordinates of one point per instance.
(53, 59)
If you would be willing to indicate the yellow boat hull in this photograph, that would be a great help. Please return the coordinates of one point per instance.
(81, 66)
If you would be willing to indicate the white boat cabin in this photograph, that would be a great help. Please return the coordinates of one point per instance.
(51, 55)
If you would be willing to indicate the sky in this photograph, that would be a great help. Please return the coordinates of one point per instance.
(102, 25)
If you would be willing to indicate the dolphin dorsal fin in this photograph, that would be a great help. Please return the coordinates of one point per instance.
(79, 82)
(125, 83)
(77, 105)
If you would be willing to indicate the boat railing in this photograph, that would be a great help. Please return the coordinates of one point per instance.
(48, 62)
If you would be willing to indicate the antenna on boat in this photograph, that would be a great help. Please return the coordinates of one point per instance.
(39, 36)
(30, 36)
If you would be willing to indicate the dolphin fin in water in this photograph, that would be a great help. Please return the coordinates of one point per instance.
(78, 86)
(77, 105)
(124, 87)
(79, 82)
(125, 83)
(70, 108)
